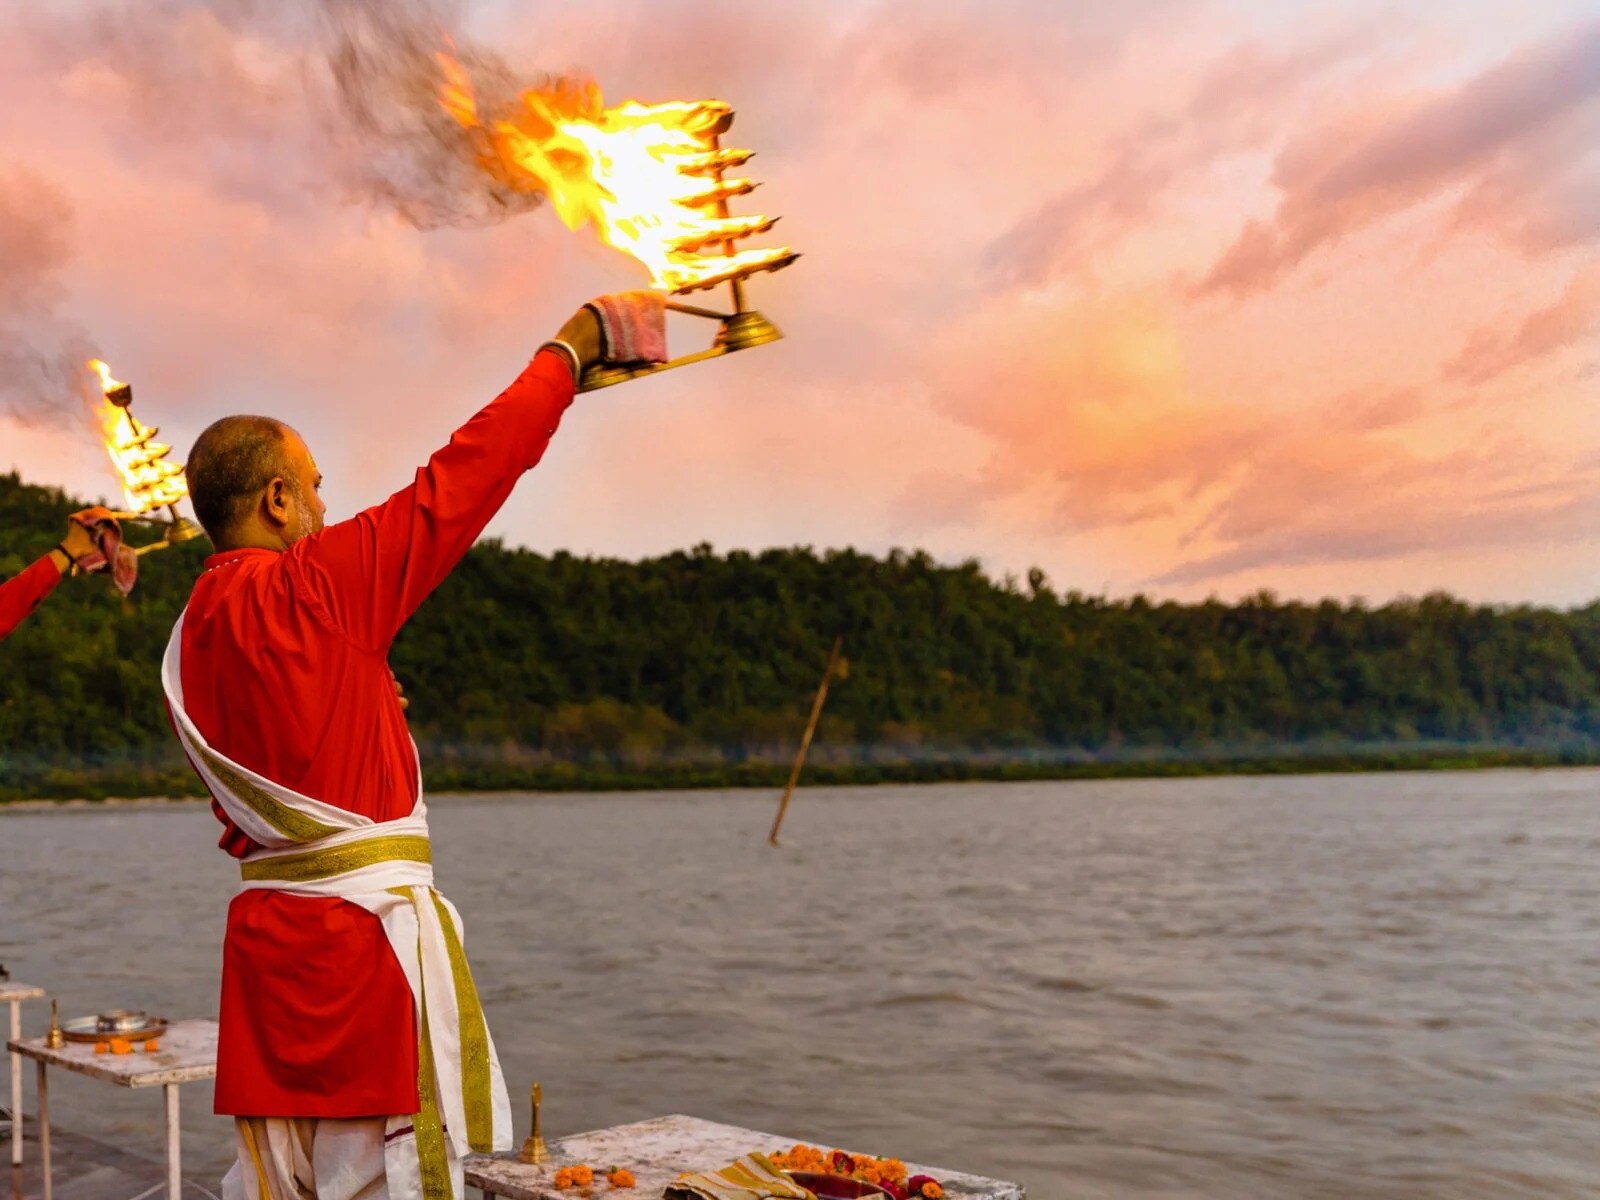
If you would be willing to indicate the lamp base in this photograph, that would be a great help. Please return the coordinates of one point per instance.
(745, 329)
(739, 331)
(182, 530)
(534, 1151)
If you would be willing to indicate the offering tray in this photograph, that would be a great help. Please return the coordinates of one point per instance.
(835, 1187)
(133, 1027)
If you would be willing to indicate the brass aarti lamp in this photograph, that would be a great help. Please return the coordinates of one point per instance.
(151, 485)
(653, 181)
(742, 327)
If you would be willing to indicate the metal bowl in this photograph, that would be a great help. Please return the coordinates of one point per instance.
(120, 1020)
(87, 1029)
(834, 1187)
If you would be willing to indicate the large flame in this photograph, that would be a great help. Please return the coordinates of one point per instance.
(649, 177)
(148, 480)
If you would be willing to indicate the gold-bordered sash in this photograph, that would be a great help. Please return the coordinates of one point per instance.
(296, 826)
(477, 1087)
(307, 866)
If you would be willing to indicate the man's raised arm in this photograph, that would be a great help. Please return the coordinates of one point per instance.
(374, 570)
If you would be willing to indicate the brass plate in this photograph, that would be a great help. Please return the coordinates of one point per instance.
(82, 1029)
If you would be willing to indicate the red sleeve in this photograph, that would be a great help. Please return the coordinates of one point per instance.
(373, 571)
(21, 594)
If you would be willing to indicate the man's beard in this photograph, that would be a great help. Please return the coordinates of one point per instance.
(308, 520)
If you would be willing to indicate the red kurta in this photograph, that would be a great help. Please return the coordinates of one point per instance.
(285, 671)
(21, 594)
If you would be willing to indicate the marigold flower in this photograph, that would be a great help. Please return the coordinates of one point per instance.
(582, 1175)
(893, 1169)
(799, 1157)
(933, 1190)
(915, 1184)
(563, 1178)
(620, 1177)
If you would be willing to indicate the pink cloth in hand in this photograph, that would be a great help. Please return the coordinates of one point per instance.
(107, 533)
(633, 327)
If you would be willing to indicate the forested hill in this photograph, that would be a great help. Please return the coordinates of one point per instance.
(534, 670)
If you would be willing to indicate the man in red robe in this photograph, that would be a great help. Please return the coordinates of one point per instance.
(26, 590)
(284, 647)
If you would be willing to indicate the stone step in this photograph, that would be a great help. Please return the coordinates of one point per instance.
(86, 1169)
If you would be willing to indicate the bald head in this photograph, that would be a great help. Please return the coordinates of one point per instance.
(245, 470)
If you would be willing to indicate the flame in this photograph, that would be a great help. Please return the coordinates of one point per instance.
(148, 480)
(107, 384)
(649, 177)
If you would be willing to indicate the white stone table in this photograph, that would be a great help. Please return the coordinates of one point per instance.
(188, 1052)
(659, 1150)
(14, 994)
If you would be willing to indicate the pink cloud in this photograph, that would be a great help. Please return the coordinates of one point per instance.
(1323, 502)
(1492, 350)
(993, 349)
(1230, 108)
(35, 243)
(1344, 176)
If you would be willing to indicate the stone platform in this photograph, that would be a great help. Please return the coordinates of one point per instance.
(659, 1150)
(86, 1169)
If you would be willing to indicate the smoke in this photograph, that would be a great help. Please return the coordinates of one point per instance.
(41, 355)
(285, 104)
(397, 146)
(282, 106)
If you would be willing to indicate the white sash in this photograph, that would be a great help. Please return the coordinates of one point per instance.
(315, 849)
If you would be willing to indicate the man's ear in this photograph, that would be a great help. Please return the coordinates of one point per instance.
(275, 502)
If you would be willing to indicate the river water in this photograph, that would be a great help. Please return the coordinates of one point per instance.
(1351, 986)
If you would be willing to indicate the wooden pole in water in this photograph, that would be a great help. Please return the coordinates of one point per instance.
(805, 741)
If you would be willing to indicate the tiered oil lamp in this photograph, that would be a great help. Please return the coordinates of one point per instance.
(151, 486)
(742, 327)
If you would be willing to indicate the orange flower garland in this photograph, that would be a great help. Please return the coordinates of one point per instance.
(887, 1173)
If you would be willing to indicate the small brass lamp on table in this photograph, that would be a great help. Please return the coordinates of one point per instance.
(534, 1151)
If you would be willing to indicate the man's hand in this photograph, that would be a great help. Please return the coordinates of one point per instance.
(79, 542)
(582, 333)
(633, 326)
(627, 327)
(399, 692)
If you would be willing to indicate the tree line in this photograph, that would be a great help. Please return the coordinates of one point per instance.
(533, 670)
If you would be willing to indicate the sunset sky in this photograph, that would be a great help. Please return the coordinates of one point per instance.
(1183, 297)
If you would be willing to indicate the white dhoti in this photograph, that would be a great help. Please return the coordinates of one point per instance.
(311, 848)
(364, 1158)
